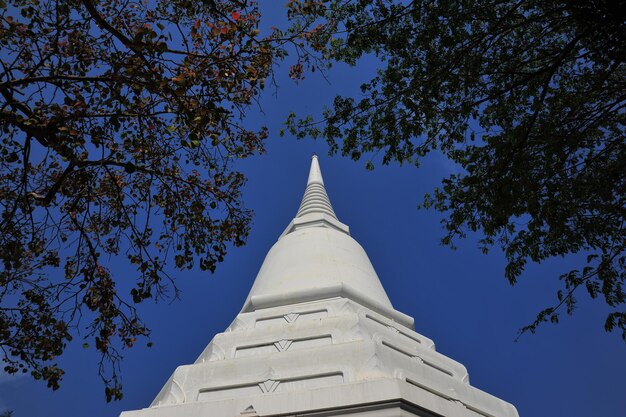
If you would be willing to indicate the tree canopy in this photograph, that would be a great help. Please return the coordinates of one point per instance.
(528, 99)
(120, 123)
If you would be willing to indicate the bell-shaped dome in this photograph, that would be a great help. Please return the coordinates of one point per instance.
(316, 258)
(313, 261)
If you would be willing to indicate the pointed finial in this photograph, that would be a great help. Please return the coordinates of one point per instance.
(315, 174)
(315, 209)
(315, 199)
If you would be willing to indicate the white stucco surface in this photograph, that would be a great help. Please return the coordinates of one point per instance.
(318, 335)
(317, 257)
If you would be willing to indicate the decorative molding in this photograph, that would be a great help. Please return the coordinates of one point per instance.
(175, 395)
(283, 345)
(249, 412)
(258, 302)
(291, 317)
(269, 386)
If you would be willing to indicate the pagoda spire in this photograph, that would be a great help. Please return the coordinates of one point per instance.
(315, 209)
(315, 199)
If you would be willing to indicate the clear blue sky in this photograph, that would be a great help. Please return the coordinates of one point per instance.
(459, 298)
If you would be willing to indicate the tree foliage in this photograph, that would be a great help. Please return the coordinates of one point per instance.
(527, 97)
(120, 123)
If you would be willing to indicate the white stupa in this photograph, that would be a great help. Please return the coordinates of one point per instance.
(318, 336)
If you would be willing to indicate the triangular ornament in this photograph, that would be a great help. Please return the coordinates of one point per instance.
(291, 317)
(269, 386)
(283, 345)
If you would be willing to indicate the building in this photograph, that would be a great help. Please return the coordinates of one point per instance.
(318, 336)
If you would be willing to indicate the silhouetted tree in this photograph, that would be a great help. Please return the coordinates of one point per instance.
(120, 123)
(528, 97)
